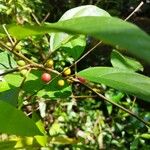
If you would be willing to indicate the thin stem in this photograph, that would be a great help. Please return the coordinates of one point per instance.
(48, 14)
(119, 106)
(36, 19)
(19, 55)
(84, 96)
(86, 53)
(9, 37)
(15, 69)
(133, 103)
(135, 10)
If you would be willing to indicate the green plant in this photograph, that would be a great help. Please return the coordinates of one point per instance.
(55, 116)
(82, 80)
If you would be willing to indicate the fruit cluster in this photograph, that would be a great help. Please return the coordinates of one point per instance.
(46, 77)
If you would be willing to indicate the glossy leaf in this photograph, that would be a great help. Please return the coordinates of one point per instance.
(86, 10)
(110, 30)
(15, 122)
(55, 91)
(123, 62)
(58, 39)
(4, 86)
(34, 84)
(6, 61)
(145, 135)
(123, 80)
(42, 140)
(10, 96)
(75, 47)
(13, 79)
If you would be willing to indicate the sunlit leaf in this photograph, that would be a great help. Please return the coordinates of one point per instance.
(14, 121)
(110, 30)
(123, 80)
(7, 61)
(60, 39)
(123, 62)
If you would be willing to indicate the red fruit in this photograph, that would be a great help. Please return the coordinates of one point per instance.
(46, 77)
(81, 79)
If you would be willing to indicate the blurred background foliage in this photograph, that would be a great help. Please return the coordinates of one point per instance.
(95, 123)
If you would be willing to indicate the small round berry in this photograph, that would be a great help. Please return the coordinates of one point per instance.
(67, 71)
(21, 63)
(46, 77)
(49, 63)
(61, 82)
(9, 44)
(24, 72)
(18, 47)
(81, 79)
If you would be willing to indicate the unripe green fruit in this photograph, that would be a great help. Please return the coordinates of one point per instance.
(61, 82)
(46, 77)
(21, 63)
(49, 63)
(24, 72)
(67, 71)
(9, 44)
(18, 47)
(34, 59)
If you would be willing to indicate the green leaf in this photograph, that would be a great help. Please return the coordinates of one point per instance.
(13, 79)
(123, 80)
(113, 95)
(56, 129)
(86, 10)
(16, 122)
(7, 145)
(58, 39)
(134, 144)
(10, 96)
(34, 84)
(110, 30)
(54, 91)
(123, 62)
(42, 140)
(63, 140)
(75, 47)
(6, 61)
(145, 135)
(4, 86)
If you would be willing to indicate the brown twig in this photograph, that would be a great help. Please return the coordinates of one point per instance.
(135, 10)
(7, 33)
(48, 14)
(117, 105)
(36, 19)
(15, 69)
(84, 96)
(19, 55)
